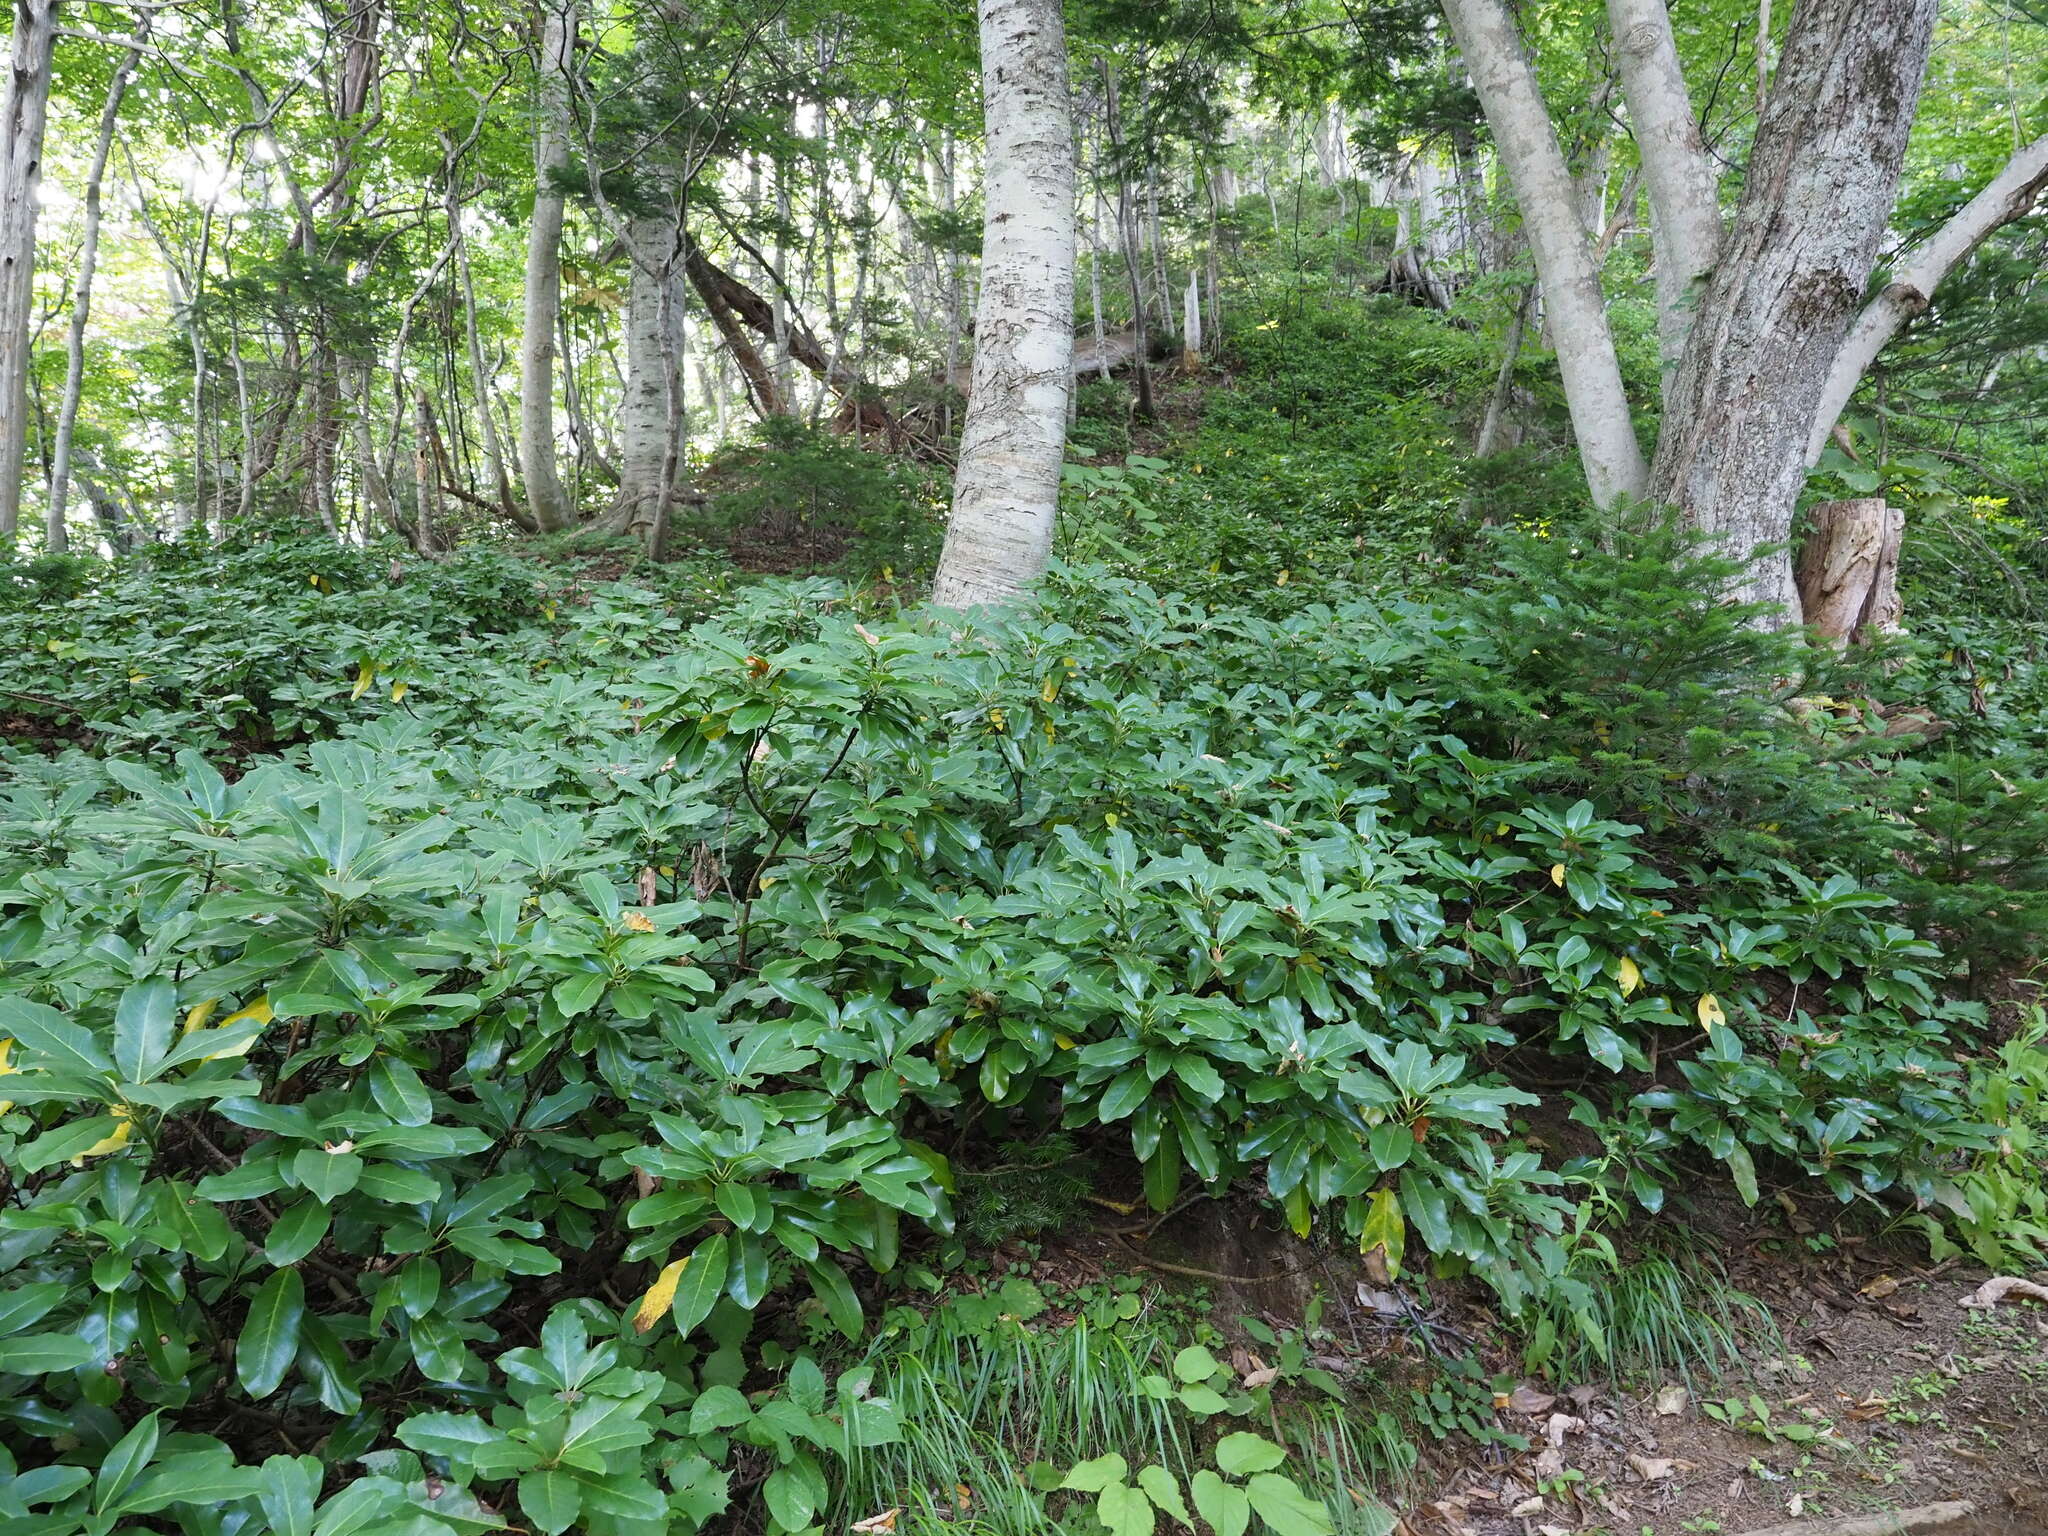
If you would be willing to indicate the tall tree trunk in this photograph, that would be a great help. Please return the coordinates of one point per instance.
(1685, 210)
(1127, 234)
(24, 109)
(500, 483)
(55, 537)
(650, 387)
(1527, 144)
(1822, 177)
(1006, 488)
(546, 500)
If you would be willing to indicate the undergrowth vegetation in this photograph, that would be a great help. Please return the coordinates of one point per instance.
(487, 1040)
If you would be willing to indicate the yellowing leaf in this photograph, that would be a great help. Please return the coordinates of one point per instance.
(1385, 1229)
(660, 1296)
(1710, 1011)
(257, 1012)
(639, 922)
(1557, 874)
(1631, 977)
(398, 691)
(113, 1141)
(1281, 579)
(197, 1015)
(366, 674)
(6, 1066)
(1051, 690)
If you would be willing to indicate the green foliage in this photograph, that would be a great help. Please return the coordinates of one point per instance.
(276, 642)
(1008, 1397)
(1996, 1207)
(817, 490)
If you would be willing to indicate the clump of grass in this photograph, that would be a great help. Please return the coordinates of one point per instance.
(998, 1402)
(1648, 1318)
(1354, 1457)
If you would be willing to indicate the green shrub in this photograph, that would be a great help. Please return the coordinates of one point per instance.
(365, 1100)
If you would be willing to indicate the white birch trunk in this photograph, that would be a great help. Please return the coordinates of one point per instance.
(1506, 84)
(1822, 177)
(2008, 196)
(650, 386)
(55, 537)
(1685, 210)
(1006, 488)
(546, 500)
(24, 109)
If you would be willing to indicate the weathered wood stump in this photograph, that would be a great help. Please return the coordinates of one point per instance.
(1848, 572)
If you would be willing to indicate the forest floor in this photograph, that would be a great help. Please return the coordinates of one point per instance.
(1880, 1393)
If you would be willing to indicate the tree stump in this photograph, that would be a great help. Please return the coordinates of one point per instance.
(1848, 572)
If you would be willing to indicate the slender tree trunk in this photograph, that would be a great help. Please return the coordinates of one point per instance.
(1822, 177)
(55, 537)
(644, 406)
(426, 478)
(2008, 196)
(1685, 208)
(546, 500)
(1006, 488)
(1127, 234)
(1506, 84)
(500, 482)
(24, 110)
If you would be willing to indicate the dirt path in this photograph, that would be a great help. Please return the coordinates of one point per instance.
(1902, 1398)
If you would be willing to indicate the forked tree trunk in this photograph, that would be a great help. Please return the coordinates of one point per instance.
(546, 500)
(1573, 305)
(24, 109)
(2008, 196)
(1821, 181)
(1006, 488)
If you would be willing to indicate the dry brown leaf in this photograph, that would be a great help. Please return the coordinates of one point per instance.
(883, 1524)
(1532, 1505)
(1527, 1399)
(1561, 1424)
(1253, 1380)
(1672, 1401)
(1651, 1469)
(1880, 1287)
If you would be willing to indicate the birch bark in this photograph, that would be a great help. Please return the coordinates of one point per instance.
(546, 500)
(24, 110)
(1006, 488)
(1506, 83)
